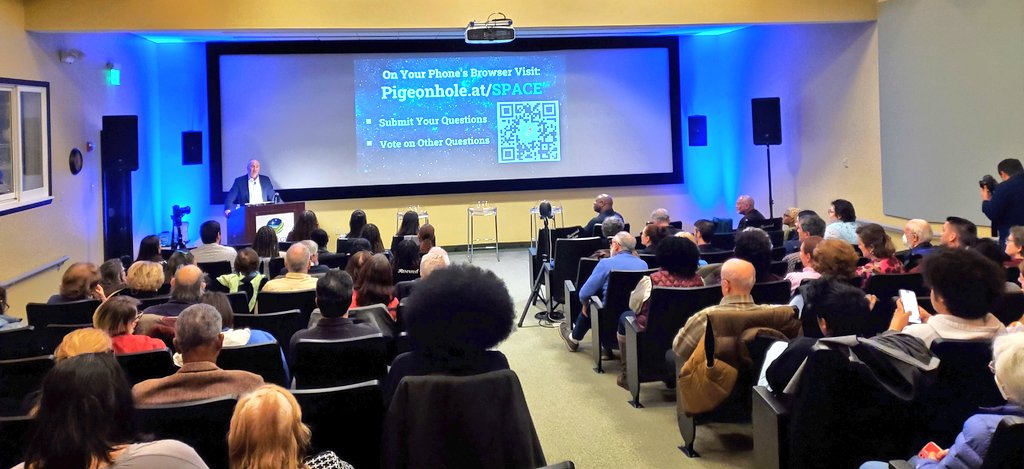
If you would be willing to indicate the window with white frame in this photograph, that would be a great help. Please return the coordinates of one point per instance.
(24, 144)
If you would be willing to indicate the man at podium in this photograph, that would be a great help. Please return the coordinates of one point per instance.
(251, 188)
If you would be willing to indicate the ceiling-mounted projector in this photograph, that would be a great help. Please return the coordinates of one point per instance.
(492, 31)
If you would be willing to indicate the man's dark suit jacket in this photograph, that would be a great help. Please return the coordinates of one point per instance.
(751, 215)
(332, 329)
(1006, 208)
(239, 193)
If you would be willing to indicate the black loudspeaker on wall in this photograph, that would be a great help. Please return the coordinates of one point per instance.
(698, 131)
(191, 147)
(119, 142)
(767, 121)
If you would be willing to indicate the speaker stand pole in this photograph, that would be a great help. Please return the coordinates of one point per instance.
(771, 201)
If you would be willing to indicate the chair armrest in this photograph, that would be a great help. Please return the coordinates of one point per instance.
(595, 302)
(770, 419)
(571, 300)
(899, 464)
(569, 287)
(631, 356)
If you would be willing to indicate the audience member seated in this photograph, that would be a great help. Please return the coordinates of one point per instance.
(454, 318)
(876, 245)
(314, 258)
(406, 258)
(304, 226)
(355, 224)
(80, 282)
(232, 337)
(435, 258)
(187, 287)
(842, 221)
(410, 224)
(322, 240)
(841, 308)
(84, 420)
(376, 285)
(807, 260)
(958, 233)
(82, 341)
(738, 278)
(118, 317)
(964, 286)
(333, 298)
(972, 444)
(836, 261)
(1014, 242)
(623, 257)
(807, 226)
(609, 227)
(917, 237)
(8, 322)
(267, 431)
(745, 207)
(112, 277)
(297, 261)
(266, 244)
(198, 338)
(678, 260)
(789, 220)
(651, 236)
(211, 250)
(356, 262)
(144, 279)
(372, 234)
(426, 238)
(755, 246)
(246, 276)
(603, 205)
(149, 249)
(175, 262)
(703, 230)
(990, 249)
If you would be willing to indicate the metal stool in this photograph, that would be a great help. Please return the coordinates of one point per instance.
(556, 209)
(481, 209)
(422, 212)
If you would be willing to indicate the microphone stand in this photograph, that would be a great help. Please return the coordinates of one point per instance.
(545, 278)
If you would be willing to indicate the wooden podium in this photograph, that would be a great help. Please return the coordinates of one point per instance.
(242, 224)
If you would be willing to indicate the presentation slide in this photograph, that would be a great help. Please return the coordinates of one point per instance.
(318, 120)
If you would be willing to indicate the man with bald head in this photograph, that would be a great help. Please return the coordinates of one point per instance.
(745, 207)
(297, 260)
(187, 287)
(738, 277)
(623, 257)
(251, 188)
(603, 207)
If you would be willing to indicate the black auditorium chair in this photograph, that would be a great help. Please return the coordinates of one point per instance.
(13, 437)
(406, 276)
(667, 312)
(604, 314)
(1009, 307)
(334, 261)
(273, 302)
(215, 269)
(402, 343)
(780, 268)
(886, 287)
(771, 293)
(716, 257)
(1005, 451)
(156, 300)
(263, 359)
(203, 425)
(322, 363)
(150, 364)
(568, 252)
(275, 266)
(282, 325)
(346, 420)
(584, 268)
(19, 343)
(75, 312)
(239, 302)
(1013, 275)
(53, 334)
(723, 241)
(20, 377)
(378, 316)
(651, 260)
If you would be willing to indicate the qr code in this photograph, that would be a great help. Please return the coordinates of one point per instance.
(528, 132)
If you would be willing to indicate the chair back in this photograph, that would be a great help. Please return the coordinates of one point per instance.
(320, 363)
(568, 252)
(334, 414)
(53, 334)
(14, 433)
(651, 260)
(406, 276)
(203, 425)
(273, 302)
(274, 267)
(889, 285)
(963, 385)
(334, 261)
(724, 241)
(150, 364)
(215, 269)
(1009, 307)
(1005, 450)
(239, 302)
(263, 359)
(377, 315)
(156, 300)
(616, 301)
(668, 310)
(75, 312)
(772, 293)
(716, 257)
(1013, 275)
(584, 269)
(20, 377)
(282, 325)
(20, 342)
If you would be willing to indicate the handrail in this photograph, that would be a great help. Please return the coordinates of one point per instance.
(32, 273)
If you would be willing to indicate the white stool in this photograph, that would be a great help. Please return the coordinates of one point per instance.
(556, 209)
(422, 212)
(481, 209)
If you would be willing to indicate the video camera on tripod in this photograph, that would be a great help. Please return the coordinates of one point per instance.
(177, 213)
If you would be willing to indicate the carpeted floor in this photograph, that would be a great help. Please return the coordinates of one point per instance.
(583, 416)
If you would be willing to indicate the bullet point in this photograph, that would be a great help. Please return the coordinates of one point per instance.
(369, 143)
(369, 121)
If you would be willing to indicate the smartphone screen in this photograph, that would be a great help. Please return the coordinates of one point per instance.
(909, 299)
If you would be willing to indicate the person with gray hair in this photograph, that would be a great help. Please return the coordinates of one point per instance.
(436, 258)
(297, 260)
(198, 337)
(745, 207)
(187, 287)
(611, 225)
(806, 226)
(603, 207)
(623, 257)
(660, 217)
(314, 258)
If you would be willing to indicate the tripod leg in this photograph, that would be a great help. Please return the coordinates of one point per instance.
(533, 295)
